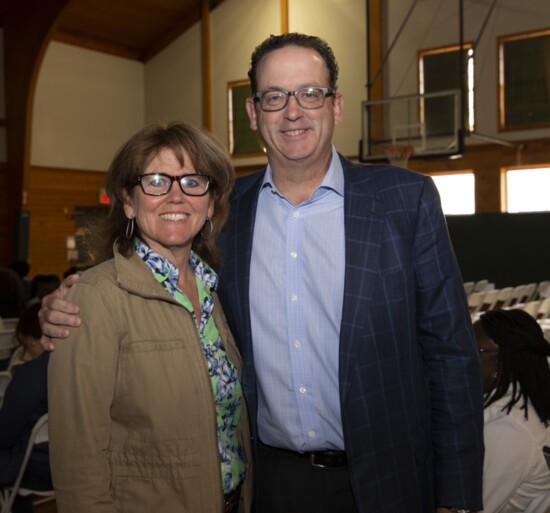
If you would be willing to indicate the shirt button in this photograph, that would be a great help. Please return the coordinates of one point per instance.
(296, 215)
(297, 344)
(294, 298)
(293, 254)
(302, 389)
(311, 434)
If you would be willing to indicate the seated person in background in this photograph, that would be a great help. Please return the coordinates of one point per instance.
(516, 383)
(28, 335)
(25, 401)
(42, 285)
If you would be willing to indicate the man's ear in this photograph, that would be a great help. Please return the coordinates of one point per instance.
(251, 111)
(338, 108)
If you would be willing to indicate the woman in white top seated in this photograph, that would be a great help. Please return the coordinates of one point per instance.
(516, 378)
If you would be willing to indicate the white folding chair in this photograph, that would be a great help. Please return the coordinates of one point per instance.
(10, 323)
(469, 287)
(7, 339)
(39, 434)
(528, 293)
(490, 300)
(517, 294)
(544, 310)
(532, 307)
(504, 297)
(480, 285)
(475, 300)
(543, 290)
(5, 378)
(7, 342)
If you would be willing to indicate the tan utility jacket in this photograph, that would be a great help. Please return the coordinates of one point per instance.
(132, 418)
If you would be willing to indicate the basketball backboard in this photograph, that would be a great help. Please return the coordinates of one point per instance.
(429, 123)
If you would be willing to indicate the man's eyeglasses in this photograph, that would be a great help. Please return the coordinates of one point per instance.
(159, 184)
(307, 98)
(482, 350)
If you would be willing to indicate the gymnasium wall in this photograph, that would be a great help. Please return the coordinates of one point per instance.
(506, 249)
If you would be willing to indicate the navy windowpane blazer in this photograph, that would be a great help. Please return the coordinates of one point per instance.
(409, 372)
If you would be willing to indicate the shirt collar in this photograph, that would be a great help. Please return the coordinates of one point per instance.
(167, 271)
(333, 179)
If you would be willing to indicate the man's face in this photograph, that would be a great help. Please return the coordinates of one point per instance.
(294, 133)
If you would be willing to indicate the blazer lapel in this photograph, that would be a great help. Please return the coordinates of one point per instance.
(364, 215)
(235, 278)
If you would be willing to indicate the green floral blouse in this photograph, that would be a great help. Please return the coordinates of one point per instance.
(223, 375)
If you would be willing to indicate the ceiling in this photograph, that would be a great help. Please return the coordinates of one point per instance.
(134, 29)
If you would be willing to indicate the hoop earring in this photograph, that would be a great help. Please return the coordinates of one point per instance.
(210, 230)
(130, 228)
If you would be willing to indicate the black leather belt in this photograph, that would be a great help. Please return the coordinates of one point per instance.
(326, 459)
(320, 459)
(231, 500)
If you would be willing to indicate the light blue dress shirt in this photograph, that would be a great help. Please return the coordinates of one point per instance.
(296, 294)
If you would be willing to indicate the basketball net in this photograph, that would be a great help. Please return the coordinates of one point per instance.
(399, 154)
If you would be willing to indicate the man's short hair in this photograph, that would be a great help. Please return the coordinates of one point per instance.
(293, 39)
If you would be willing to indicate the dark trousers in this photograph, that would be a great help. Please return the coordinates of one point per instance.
(287, 483)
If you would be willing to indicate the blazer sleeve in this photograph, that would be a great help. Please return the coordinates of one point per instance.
(81, 382)
(451, 358)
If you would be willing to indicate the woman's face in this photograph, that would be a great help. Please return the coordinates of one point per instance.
(169, 223)
(488, 353)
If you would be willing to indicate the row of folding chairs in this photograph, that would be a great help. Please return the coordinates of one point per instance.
(484, 301)
(487, 297)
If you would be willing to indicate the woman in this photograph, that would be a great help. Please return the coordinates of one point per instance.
(516, 382)
(25, 401)
(146, 410)
(27, 334)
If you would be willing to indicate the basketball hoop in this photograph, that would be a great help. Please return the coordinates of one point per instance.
(399, 154)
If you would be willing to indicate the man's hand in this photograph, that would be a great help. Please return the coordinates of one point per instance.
(56, 313)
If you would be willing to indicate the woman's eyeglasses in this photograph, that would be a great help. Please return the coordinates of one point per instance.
(159, 184)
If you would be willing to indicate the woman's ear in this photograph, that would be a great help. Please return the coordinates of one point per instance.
(211, 208)
(128, 204)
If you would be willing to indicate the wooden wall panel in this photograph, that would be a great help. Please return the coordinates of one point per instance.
(53, 195)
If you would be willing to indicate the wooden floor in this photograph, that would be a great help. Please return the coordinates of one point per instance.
(47, 507)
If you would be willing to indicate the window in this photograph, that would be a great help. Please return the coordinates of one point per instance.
(440, 70)
(457, 191)
(528, 190)
(524, 80)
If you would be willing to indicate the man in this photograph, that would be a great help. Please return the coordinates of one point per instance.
(342, 290)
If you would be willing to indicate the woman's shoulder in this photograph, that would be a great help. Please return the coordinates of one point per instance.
(102, 273)
(98, 281)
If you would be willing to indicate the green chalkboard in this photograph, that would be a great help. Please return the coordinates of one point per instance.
(243, 141)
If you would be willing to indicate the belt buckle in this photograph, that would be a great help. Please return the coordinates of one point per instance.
(313, 462)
